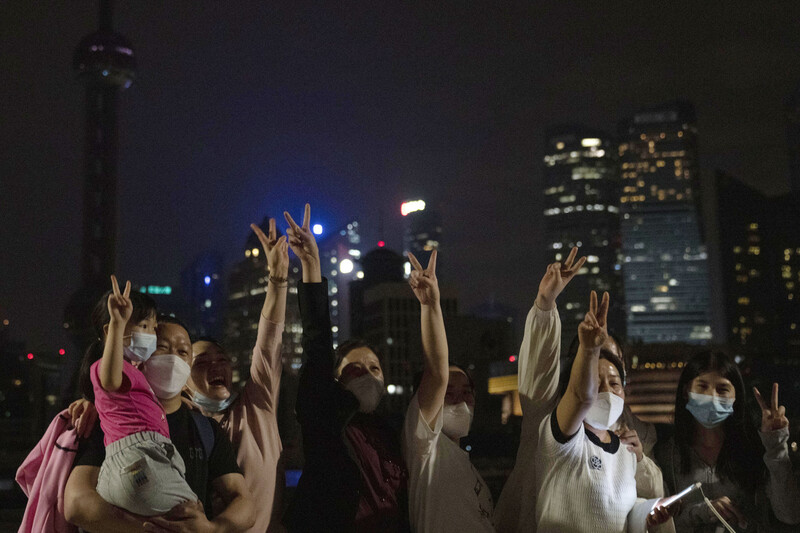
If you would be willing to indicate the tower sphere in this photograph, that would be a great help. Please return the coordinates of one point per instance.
(107, 58)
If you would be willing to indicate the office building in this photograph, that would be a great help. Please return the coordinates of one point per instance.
(665, 265)
(340, 255)
(203, 295)
(247, 285)
(581, 194)
(422, 231)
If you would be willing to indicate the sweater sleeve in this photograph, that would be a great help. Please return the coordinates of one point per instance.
(265, 368)
(539, 368)
(782, 489)
(649, 481)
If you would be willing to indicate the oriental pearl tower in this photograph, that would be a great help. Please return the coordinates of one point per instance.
(104, 61)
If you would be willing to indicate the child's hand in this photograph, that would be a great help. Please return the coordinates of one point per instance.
(120, 306)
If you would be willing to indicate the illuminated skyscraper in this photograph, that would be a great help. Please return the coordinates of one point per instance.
(340, 254)
(422, 228)
(665, 261)
(580, 196)
(247, 285)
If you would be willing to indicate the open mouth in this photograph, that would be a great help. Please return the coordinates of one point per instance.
(218, 381)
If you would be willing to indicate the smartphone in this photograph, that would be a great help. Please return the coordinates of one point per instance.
(682, 494)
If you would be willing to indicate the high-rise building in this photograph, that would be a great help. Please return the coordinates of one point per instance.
(665, 260)
(386, 314)
(422, 228)
(581, 195)
(757, 241)
(340, 254)
(104, 60)
(203, 294)
(247, 285)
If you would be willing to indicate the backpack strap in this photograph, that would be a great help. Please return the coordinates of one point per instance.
(206, 431)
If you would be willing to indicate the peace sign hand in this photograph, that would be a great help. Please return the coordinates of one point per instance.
(592, 331)
(423, 281)
(773, 416)
(276, 250)
(120, 307)
(557, 277)
(301, 239)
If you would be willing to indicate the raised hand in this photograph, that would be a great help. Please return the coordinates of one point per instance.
(556, 277)
(592, 331)
(773, 416)
(275, 249)
(423, 281)
(120, 307)
(301, 239)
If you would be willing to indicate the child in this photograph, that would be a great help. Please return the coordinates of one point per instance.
(142, 473)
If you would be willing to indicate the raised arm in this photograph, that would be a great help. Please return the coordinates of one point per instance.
(583, 380)
(265, 368)
(782, 488)
(120, 309)
(540, 350)
(433, 386)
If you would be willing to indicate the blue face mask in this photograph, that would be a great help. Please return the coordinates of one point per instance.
(709, 411)
(213, 406)
(141, 347)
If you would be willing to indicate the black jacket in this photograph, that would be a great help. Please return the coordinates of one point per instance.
(327, 494)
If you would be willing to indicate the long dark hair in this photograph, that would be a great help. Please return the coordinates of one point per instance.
(740, 457)
(143, 307)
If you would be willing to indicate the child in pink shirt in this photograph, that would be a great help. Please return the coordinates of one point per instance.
(143, 472)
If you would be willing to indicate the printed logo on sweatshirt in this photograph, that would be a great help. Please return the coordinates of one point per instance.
(596, 463)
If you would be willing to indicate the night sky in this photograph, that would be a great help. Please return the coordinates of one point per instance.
(242, 111)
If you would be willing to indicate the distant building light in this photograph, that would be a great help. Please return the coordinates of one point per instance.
(255, 252)
(5, 322)
(589, 142)
(559, 145)
(62, 351)
(407, 269)
(512, 358)
(317, 229)
(333, 260)
(592, 259)
(30, 356)
(207, 304)
(207, 280)
(360, 274)
(355, 253)
(468, 447)
(412, 206)
(248, 253)
(391, 388)
(381, 244)
(346, 266)
(157, 289)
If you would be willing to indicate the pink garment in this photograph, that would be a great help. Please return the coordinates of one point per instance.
(43, 476)
(252, 425)
(132, 408)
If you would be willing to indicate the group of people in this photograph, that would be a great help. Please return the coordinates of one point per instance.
(177, 448)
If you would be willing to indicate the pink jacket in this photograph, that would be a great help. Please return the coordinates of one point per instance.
(43, 476)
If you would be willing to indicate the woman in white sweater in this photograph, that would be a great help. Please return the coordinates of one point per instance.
(585, 478)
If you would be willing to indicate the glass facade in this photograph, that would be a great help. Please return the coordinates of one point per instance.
(580, 209)
(665, 262)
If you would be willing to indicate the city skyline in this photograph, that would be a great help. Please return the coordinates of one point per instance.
(440, 108)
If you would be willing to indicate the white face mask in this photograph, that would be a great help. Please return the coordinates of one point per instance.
(605, 410)
(167, 375)
(141, 348)
(369, 391)
(456, 420)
